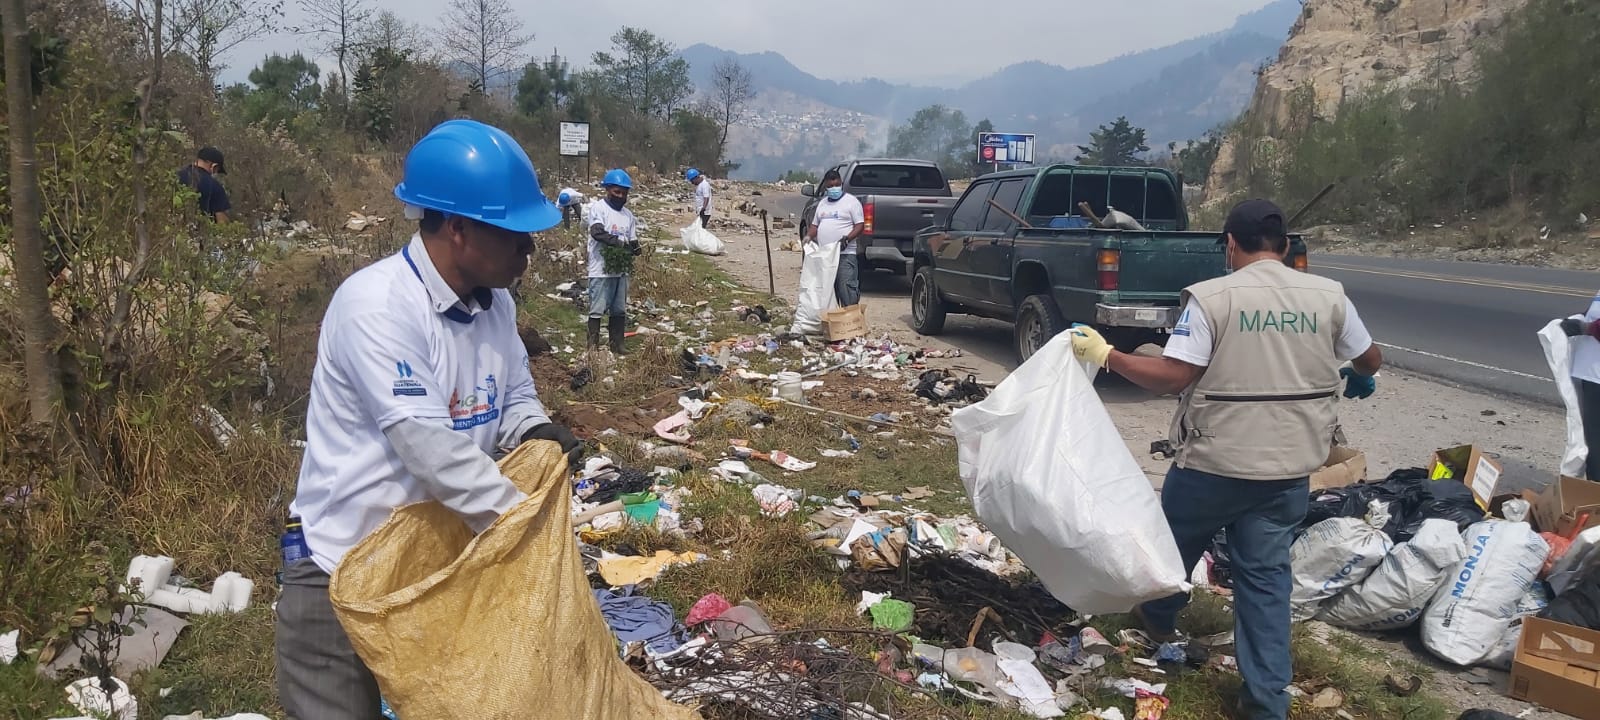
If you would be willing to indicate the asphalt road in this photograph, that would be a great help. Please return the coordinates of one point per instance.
(1471, 324)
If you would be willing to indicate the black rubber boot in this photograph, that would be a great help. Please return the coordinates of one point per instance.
(594, 333)
(618, 326)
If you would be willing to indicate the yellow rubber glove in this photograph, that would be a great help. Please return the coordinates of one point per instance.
(1089, 346)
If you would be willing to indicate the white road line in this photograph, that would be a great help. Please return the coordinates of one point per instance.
(1469, 363)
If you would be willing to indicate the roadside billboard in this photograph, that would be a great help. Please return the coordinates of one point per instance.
(1005, 148)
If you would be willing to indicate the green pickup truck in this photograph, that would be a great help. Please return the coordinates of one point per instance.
(1018, 247)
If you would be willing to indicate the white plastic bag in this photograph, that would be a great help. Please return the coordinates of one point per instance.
(817, 272)
(698, 239)
(1396, 593)
(1049, 474)
(1335, 554)
(1558, 354)
(1483, 593)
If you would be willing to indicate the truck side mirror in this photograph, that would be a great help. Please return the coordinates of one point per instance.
(808, 190)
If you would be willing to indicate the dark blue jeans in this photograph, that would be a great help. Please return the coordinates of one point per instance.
(1260, 517)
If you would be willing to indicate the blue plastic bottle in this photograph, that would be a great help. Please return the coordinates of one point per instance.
(293, 542)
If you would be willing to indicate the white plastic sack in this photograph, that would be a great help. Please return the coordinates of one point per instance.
(1049, 474)
(1335, 554)
(817, 272)
(1558, 354)
(1484, 591)
(698, 239)
(1396, 593)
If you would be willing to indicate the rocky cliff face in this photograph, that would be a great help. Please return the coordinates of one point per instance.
(1341, 48)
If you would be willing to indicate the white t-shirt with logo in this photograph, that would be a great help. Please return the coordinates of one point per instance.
(1586, 349)
(620, 223)
(835, 219)
(395, 346)
(702, 196)
(1191, 336)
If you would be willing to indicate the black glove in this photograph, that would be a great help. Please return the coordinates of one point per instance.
(634, 246)
(570, 444)
(1574, 327)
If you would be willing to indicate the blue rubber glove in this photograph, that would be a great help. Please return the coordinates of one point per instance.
(1357, 385)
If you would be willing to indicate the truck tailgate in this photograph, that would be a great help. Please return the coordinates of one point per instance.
(902, 216)
(1156, 265)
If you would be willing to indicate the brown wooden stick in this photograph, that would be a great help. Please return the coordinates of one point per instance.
(1012, 215)
(1088, 212)
(587, 515)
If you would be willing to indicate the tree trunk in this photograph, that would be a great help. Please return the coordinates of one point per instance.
(33, 283)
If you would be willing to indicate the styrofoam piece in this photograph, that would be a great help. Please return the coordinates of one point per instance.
(87, 696)
(152, 572)
(184, 600)
(232, 591)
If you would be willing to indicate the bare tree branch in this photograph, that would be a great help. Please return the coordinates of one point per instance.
(485, 36)
(731, 93)
(339, 23)
(208, 29)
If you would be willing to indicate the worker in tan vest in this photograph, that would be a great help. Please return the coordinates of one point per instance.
(1257, 356)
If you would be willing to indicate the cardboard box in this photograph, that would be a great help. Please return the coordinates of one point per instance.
(845, 323)
(1469, 465)
(1345, 466)
(1558, 667)
(1558, 507)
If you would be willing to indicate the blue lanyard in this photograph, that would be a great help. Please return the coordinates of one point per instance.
(454, 312)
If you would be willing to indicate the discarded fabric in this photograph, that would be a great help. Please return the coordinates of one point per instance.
(639, 618)
(618, 571)
(776, 500)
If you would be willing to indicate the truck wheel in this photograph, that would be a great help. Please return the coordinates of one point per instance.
(1038, 320)
(927, 308)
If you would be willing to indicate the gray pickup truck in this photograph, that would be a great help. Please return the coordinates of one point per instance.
(898, 197)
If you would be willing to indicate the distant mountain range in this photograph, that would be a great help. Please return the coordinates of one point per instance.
(1176, 92)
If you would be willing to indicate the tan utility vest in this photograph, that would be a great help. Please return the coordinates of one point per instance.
(1265, 407)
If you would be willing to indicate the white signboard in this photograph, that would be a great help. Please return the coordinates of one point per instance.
(574, 139)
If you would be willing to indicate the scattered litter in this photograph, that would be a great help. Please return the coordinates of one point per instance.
(776, 500)
(1149, 706)
(1170, 653)
(149, 575)
(1130, 687)
(1109, 713)
(1327, 698)
(144, 649)
(892, 615)
(790, 462)
(706, 608)
(1403, 687)
(618, 570)
(836, 454)
(1131, 637)
(916, 493)
(674, 428)
(638, 618)
(741, 621)
(8, 647)
(90, 699)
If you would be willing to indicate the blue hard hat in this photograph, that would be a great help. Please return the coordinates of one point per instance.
(691, 174)
(564, 198)
(477, 171)
(619, 178)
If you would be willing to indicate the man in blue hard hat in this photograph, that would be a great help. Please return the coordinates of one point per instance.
(702, 195)
(571, 203)
(420, 380)
(611, 224)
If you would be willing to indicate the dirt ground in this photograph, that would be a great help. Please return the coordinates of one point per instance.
(1400, 426)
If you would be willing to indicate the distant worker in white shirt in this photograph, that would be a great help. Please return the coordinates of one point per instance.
(702, 195)
(571, 203)
(839, 220)
(420, 380)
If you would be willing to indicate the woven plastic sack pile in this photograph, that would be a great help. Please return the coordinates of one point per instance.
(501, 625)
(1050, 476)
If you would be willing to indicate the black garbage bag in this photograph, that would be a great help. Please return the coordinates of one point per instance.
(1485, 715)
(1412, 498)
(1580, 604)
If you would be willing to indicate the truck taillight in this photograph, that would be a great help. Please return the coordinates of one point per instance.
(1109, 265)
(866, 217)
(1302, 263)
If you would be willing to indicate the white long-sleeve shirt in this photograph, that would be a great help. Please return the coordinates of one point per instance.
(414, 389)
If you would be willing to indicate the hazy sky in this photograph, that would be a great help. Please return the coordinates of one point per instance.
(936, 41)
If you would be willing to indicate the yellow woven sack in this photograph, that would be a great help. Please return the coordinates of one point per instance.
(498, 626)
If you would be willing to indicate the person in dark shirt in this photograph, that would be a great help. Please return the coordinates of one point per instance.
(201, 177)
